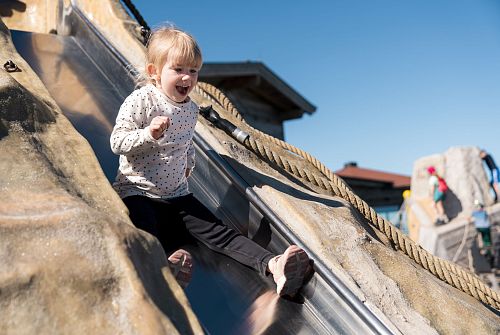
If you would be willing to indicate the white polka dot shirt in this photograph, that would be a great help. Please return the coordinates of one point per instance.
(149, 167)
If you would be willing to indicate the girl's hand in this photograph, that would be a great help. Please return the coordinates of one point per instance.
(188, 172)
(158, 126)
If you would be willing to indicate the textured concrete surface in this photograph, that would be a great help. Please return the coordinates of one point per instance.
(59, 211)
(70, 260)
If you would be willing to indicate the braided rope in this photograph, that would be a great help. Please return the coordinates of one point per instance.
(224, 102)
(445, 270)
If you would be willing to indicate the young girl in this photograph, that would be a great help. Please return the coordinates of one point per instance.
(153, 136)
(438, 189)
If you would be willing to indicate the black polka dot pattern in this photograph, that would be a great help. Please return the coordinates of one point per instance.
(154, 168)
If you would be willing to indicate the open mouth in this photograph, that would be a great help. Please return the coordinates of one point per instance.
(182, 89)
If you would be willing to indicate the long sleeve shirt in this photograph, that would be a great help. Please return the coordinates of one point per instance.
(149, 167)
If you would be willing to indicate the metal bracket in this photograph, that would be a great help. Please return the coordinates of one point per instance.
(211, 115)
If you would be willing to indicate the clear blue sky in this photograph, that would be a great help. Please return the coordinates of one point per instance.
(392, 80)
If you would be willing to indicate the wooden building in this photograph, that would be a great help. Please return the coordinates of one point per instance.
(381, 190)
(264, 99)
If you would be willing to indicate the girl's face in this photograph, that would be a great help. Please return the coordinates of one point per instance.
(177, 81)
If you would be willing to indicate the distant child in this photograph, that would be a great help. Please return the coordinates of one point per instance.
(438, 189)
(494, 172)
(483, 227)
(403, 211)
(153, 136)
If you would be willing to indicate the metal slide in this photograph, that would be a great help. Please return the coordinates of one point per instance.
(89, 81)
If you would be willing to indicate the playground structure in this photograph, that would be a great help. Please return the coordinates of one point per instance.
(84, 67)
(467, 180)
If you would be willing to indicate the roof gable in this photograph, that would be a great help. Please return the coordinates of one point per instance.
(354, 172)
(258, 78)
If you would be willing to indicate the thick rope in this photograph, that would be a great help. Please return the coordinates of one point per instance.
(448, 272)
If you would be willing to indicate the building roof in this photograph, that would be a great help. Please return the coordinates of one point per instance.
(261, 80)
(351, 170)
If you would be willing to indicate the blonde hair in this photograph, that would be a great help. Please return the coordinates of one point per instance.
(172, 45)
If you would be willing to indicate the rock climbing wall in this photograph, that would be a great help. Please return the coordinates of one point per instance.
(463, 170)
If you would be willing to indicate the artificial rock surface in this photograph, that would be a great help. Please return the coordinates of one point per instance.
(70, 260)
(81, 249)
(465, 174)
(463, 170)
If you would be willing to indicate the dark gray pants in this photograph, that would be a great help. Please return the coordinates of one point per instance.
(177, 222)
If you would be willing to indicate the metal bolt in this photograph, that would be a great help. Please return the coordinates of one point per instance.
(10, 66)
